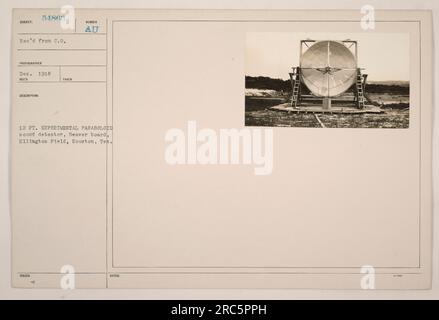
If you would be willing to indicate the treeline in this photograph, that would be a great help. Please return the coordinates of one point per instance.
(384, 88)
(267, 83)
(285, 85)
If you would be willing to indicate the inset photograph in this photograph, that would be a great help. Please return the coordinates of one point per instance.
(327, 80)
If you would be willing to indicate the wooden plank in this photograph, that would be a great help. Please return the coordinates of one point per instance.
(320, 121)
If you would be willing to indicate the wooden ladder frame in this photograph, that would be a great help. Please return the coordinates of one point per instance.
(295, 85)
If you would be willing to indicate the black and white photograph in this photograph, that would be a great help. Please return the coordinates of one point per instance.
(357, 80)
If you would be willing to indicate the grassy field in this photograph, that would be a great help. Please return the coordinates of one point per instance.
(396, 114)
(390, 119)
(263, 93)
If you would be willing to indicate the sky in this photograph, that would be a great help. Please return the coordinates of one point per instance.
(385, 56)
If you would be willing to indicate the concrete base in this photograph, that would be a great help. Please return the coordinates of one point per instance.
(334, 109)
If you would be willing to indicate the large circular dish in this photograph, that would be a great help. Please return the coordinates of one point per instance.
(328, 68)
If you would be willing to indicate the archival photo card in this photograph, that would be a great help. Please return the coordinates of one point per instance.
(177, 149)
